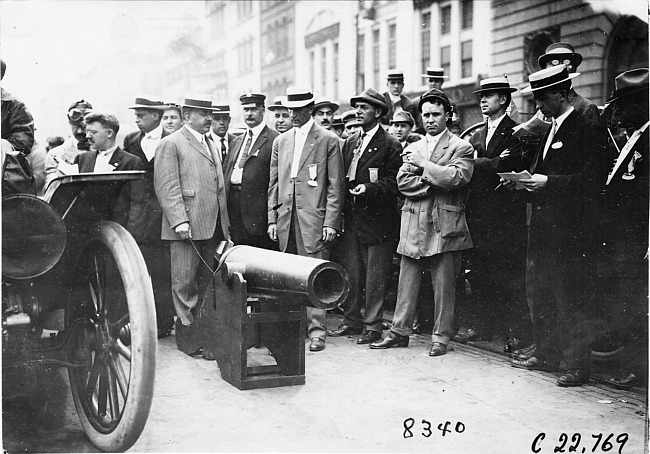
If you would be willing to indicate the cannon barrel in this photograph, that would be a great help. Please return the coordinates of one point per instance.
(315, 282)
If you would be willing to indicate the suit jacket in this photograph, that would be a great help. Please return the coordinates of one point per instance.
(146, 229)
(255, 179)
(316, 206)
(124, 200)
(406, 104)
(189, 185)
(374, 214)
(562, 225)
(584, 106)
(433, 215)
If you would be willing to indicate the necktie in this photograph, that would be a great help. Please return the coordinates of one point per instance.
(352, 171)
(247, 149)
(223, 148)
(550, 138)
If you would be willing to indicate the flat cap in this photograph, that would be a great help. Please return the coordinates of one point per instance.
(434, 94)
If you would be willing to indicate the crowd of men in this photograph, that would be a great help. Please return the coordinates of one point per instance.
(390, 179)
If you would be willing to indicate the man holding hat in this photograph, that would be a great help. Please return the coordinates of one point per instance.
(306, 192)
(497, 220)
(396, 101)
(323, 112)
(401, 126)
(246, 172)
(189, 185)
(372, 159)
(219, 134)
(146, 231)
(280, 114)
(433, 178)
(568, 172)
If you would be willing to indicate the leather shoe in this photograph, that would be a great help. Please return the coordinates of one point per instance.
(526, 352)
(625, 383)
(534, 363)
(344, 330)
(391, 340)
(368, 337)
(317, 344)
(438, 349)
(468, 336)
(574, 377)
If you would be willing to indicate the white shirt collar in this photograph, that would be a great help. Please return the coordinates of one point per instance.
(495, 123)
(394, 98)
(108, 152)
(559, 120)
(370, 134)
(155, 133)
(257, 130)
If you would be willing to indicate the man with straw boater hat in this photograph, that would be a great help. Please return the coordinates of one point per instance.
(568, 172)
(435, 77)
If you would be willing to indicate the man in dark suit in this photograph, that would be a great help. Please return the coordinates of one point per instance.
(396, 101)
(497, 220)
(219, 134)
(246, 173)
(568, 172)
(372, 159)
(146, 230)
(189, 185)
(306, 193)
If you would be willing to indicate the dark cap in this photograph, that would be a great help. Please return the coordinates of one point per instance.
(78, 110)
(434, 95)
(251, 98)
(146, 103)
(371, 96)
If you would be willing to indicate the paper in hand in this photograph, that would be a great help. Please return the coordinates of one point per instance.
(515, 177)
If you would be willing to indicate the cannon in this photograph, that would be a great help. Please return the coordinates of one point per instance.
(258, 297)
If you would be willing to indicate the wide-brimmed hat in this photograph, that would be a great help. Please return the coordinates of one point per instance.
(198, 101)
(220, 108)
(395, 74)
(321, 102)
(338, 121)
(251, 99)
(349, 117)
(495, 84)
(402, 116)
(434, 73)
(298, 97)
(558, 53)
(147, 103)
(630, 82)
(434, 94)
(371, 96)
(278, 103)
(548, 77)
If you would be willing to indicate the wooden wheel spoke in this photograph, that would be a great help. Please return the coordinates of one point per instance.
(119, 374)
(102, 397)
(113, 398)
(123, 350)
(91, 385)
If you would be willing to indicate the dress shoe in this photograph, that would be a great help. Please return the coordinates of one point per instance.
(438, 349)
(625, 383)
(391, 340)
(526, 352)
(468, 336)
(534, 363)
(368, 337)
(344, 330)
(574, 377)
(317, 344)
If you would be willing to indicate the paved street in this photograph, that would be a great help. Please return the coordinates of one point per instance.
(354, 400)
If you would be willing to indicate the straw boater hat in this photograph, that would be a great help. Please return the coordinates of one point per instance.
(434, 73)
(278, 103)
(219, 108)
(146, 103)
(395, 74)
(548, 77)
(298, 97)
(558, 53)
(402, 116)
(495, 84)
(198, 101)
(372, 97)
(630, 82)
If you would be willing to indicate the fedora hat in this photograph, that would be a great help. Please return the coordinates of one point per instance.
(198, 101)
(146, 103)
(298, 97)
(371, 96)
(548, 77)
(629, 82)
(338, 121)
(432, 95)
(321, 102)
(495, 84)
(558, 53)
(434, 73)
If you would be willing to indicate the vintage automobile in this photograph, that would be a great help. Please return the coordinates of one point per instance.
(69, 271)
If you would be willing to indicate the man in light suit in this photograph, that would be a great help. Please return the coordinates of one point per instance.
(433, 177)
(306, 192)
(188, 180)
(246, 173)
(222, 139)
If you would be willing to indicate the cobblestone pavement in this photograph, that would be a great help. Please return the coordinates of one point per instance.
(355, 400)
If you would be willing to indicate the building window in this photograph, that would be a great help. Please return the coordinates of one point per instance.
(466, 13)
(445, 58)
(323, 70)
(466, 59)
(336, 69)
(445, 20)
(425, 38)
(392, 46)
(375, 57)
(244, 9)
(312, 69)
(245, 56)
(361, 62)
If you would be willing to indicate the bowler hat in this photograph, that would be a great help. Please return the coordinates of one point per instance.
(396, 74)
(146, 103)
(548, 77)
(251, 99)
(218, 108)
(434, 94)
(349, 117)
(402, 116)
(630, 82)
(558, 53)
(495, 84)
(298, 97)
(434, 73)
(198, 101)
(321, 102)
(371, 96)
(278, 103)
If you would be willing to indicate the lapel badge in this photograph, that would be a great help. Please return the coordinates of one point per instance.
(557, 145)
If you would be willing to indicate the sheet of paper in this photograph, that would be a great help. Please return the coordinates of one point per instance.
(515, 177)
(68, 169)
